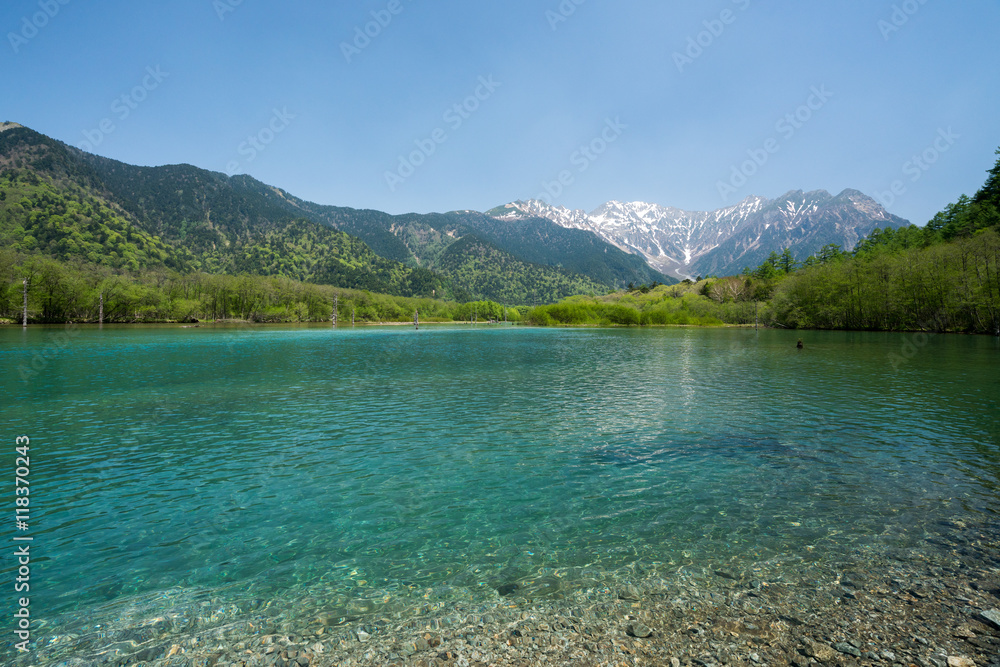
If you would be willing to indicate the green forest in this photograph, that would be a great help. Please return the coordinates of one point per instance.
(74, 291)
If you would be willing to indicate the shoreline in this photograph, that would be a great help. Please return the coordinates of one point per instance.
(926, 607)
(247, 323)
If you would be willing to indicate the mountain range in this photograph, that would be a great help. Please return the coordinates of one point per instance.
(61, 202)
(685, 244)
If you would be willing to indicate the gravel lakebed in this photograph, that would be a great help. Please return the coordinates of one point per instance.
(934, 605)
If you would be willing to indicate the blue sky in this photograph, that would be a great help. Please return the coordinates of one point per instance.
(412, 105)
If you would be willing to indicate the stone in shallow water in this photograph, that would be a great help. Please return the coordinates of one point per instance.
(844, 647)
(993, 616)
(821, 652)
(628, 593)
(960, 661)
(638, 630)
(506, 589)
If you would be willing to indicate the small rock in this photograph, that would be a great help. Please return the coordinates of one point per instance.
(821, 652)
(985, 643)
(963, 632)
(754, 658)
(363, 636)
(960, 661)
(628, 593)
(639, 630)
(506, 589)
(674, 662)
(844, 647)
(993, 616)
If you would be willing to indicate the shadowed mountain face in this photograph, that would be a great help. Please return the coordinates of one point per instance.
(723, 242)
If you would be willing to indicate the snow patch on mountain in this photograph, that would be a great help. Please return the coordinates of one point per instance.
(688, 243)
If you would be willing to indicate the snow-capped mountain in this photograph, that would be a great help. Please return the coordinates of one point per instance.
(722, 242)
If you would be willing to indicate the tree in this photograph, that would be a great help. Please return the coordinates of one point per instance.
(990, 192)
(786, 262)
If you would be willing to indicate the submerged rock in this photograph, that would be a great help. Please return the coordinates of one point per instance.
(506, 589)
(639, 630)
(993, 616)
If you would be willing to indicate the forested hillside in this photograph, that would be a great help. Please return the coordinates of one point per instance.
(482, 268)
(93, 215)
(942, 277)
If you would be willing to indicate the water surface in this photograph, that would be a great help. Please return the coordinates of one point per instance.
(373, 469)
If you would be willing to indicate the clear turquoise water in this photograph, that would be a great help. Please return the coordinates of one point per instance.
(369, 469)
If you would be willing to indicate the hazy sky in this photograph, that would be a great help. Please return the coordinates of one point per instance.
(414, 105)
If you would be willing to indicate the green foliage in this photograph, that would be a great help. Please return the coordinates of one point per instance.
(485, 311)
(948, 286)
(478, 267)
(661, 306)
(990, 192)
(71, 292)
(63, 220)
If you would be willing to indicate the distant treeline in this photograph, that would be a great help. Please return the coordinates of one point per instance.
(72, 291)
(662, 305)
(886, 284)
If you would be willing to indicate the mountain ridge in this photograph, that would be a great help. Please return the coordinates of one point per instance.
(684, 243)
(66, 203)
